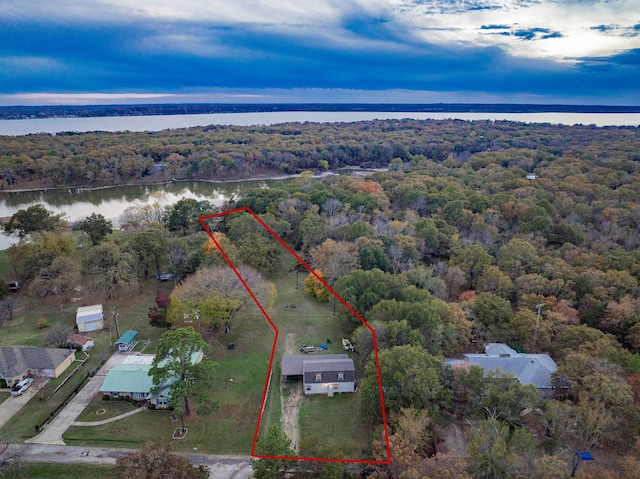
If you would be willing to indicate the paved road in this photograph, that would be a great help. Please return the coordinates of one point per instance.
(56, 428)
(221, 467)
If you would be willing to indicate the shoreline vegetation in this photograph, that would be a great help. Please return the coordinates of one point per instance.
(238, 153)
(85, 111)
(265, 177)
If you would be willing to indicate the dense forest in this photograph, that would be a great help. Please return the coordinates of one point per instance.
(475, 228)
(223, 152)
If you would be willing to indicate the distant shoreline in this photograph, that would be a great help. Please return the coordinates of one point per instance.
(191, 180)
(86, 111)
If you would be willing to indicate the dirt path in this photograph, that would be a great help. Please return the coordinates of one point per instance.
(290, 412)
(290, 404)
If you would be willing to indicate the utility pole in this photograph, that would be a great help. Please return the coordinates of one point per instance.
(115, 316)
(535, 334)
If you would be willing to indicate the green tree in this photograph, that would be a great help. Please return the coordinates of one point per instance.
(274, 443)
(492, 313)
(410, 378)
(175, 366)
(473, 260)
(154, 461)
(183, 215)
(34, 219)
(96, 226)
(30, 258)
(113, 270)
(497, 453)
(150, 247)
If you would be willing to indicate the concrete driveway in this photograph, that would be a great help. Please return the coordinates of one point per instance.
(12, 405)
(53, 432)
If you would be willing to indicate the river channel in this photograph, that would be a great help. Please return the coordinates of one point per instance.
(111, 202)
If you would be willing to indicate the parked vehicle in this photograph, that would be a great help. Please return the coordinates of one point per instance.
(310, 348)
(165, 277)
(21, 387)
(14, 286)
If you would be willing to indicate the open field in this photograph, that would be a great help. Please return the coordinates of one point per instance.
(67, 471)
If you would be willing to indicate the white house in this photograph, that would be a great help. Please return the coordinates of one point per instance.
(89, 318)
(77, 341)
(324, 374)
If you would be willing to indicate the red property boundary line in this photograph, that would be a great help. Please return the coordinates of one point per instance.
(275, 340)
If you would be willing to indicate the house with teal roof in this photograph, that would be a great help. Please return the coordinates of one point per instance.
(132, 380)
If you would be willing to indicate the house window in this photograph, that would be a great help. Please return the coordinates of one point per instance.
(318, 376)
(138, 395)
(340, 376)
(308, 387)
(335, 387)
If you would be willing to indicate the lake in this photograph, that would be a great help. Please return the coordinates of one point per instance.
(162, 122)
(111, 202)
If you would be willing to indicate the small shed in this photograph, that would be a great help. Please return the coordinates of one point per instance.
(89, 318)
(77, 341)
(126, 341)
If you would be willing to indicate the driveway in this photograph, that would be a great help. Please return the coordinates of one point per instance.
(13, 404)
(53, 432)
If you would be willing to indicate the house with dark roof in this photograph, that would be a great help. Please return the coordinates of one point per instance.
(533, 369)
(20, 362)
(324, 374)
(89, 318)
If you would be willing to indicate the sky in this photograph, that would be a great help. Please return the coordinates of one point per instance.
(321, 51)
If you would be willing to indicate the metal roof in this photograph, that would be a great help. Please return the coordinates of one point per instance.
(87, 314)
(320, 365)
(128, 378)
(127, 337)
(533, 369)
(293, 365)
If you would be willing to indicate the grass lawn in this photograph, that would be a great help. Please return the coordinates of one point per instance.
(335, 422)
(99, 410)
(4, 396)
(21, 330)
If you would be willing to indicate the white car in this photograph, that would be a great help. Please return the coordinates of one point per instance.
(21, 387)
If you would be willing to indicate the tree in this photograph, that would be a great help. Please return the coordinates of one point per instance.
(410, 378)
(153, 461)
(34, 219)
(274, 443)
(62, 275)
(149, 246)
(314, 287)
(473, 260)
(492, 312)
(158, 314)
(96, 226)
(113, 269)
(218, 294)
(497, 453)
(29, 258)
(335, 259)
(183, 215)
(174, 366)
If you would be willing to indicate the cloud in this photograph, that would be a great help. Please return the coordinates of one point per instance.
(484, 47)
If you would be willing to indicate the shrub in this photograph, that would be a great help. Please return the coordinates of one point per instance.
(42, 323)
